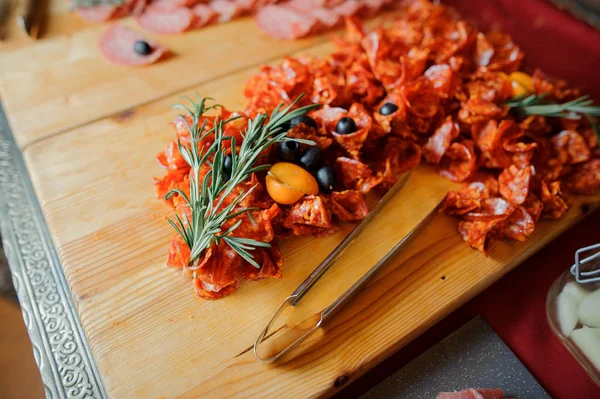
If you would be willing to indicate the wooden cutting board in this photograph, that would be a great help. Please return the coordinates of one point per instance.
(89, 132)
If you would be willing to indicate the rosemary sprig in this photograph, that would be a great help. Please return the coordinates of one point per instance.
(206, 199)
(537, 105)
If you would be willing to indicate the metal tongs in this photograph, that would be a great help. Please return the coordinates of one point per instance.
(349, 294)
(577, 270)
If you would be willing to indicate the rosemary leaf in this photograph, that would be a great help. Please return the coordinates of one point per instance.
(207, 197)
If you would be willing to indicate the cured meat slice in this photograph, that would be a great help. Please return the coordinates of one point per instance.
(440, 141)
(348, 8)
(328, 19)
(205, 15)
(117, 42)
(169, 22)
(226, 10)
(138, 7)
(285, 23)
(349, 205)
(473, 394)
(520, 224)
(305, 5)
(170, 5)
(514, 184)
(99, 13)
(373, 6)
(554, 203)
(585, 178)
(571, 147)
(491, 209)
(458, 163)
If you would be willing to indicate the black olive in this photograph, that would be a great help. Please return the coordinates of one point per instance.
(345, 126)
(227, 164)
(142, 48)
(326, 179)
(311, 159)
(304, 119)
(289, 151)
(388, 108)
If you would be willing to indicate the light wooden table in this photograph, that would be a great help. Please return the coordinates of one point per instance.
(88, 132)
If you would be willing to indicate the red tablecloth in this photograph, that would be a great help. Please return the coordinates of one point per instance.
(515, 306)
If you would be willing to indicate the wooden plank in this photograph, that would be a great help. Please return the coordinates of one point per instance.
(152, 337)
(71, 83)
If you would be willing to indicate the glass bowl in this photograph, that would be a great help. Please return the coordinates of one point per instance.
(552, 313)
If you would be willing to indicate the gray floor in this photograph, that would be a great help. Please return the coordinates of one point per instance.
(471, 357)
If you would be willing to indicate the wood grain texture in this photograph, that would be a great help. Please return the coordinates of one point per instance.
(71, 83)
(149, 333)
(152, 337)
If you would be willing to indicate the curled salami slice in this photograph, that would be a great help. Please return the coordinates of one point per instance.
(401, 154)
(444, 79)
(170, 5)
(354, 141)
(571, 147)
(205, 15)
(138, 7)
(519, 225)
(348, 205)
(440, 141)
(327, 19)
(491, 208)
(117, 42)
(484, 50)
(554, 203)
(348, 8)
(226, 10)
(420, 97)
(351, 172)
(285, 23)
(514, 184)
(168, 22)
(585, 178)
(99, 13)
(309, 216)
(465, 200)
(271, 264)
(458, 163)
(475, 233)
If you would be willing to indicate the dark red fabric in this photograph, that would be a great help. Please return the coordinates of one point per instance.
(552, 39)
(515, 307)
(568, 48)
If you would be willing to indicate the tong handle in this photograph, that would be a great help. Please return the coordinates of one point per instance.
(320, 270)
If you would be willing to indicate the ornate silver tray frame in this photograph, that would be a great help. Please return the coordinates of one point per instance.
(59, 344)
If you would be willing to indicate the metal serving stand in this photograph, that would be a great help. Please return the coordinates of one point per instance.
(59, 344)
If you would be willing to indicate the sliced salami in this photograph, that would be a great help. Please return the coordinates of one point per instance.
(117, 43)
(253, 5)
(170, 5)
(328, 19)
(348, 8)
(285, 23)
(226, 10)
(99, 13)
(373, 6)
(138, 7)
(170, 22)
(205, 15)
(305, 5)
